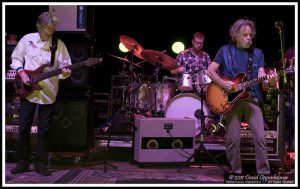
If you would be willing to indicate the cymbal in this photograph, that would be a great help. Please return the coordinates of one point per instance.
(125, 60)
(131, 44)
(154, 57)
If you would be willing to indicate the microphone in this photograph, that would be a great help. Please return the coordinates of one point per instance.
(164, 51)
(198, 113)
(278, 24)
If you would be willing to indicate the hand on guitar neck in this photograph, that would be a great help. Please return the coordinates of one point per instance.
(273, 78)
(66, 72)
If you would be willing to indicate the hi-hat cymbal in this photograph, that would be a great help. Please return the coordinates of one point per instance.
(131, 44)
(125, 60)
(155, 57)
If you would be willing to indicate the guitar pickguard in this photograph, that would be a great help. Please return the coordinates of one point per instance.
(232, 95)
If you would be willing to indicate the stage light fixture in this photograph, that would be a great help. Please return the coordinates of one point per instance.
(177, 47)
(123, 48)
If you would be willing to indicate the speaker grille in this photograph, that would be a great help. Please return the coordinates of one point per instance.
(79, 49)
(71, 126)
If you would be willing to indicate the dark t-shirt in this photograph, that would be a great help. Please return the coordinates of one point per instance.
(233, 61)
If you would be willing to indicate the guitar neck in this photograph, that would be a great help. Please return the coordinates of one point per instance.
(253, 82)
(53, 73)
(246, 84)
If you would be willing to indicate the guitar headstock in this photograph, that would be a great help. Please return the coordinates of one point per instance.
(93, 61)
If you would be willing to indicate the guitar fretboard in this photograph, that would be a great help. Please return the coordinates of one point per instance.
(53, 73)
(246, 84)
(254, 81)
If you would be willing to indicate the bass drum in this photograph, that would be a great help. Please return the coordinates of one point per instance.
(184, 105)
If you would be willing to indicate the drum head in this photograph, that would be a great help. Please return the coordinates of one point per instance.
(184, 106)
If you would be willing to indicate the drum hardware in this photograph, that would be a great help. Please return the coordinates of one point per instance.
(155, 74)
(161, 61)
(170, 79)
(135, 49)
(199, 114)
(154, 57)
(125, 60)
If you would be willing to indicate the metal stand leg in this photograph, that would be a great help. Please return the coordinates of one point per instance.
(200, 115)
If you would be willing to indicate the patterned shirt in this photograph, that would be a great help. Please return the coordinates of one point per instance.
(31, 53)
(192, 62)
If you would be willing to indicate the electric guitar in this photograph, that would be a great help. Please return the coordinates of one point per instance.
(37, 75)
(221, 101)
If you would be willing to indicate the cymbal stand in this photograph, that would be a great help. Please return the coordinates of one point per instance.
(156, 72)
(120, 111)
(199, 114)
(124, 85)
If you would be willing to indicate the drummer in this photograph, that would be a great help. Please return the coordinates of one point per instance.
(194, 58)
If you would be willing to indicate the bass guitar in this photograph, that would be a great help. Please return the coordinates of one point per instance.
(37, 75)
(221, 101)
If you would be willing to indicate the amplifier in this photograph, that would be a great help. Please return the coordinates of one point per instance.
(12, 131)
(11, 140)
(247, 146)
(163, 139)
(11, 74)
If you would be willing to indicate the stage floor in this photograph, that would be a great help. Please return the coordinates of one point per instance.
(65, 171)
(126, 173)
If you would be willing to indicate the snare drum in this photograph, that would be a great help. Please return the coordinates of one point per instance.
(141, 96)
(164, 93)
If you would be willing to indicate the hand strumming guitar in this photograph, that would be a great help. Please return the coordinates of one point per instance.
(228, 85)
(24, 77)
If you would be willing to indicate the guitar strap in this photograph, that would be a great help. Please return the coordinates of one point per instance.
(53, 49)
(249, 73)
(250, 63)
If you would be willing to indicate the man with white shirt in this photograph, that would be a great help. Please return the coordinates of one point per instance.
(32, 52)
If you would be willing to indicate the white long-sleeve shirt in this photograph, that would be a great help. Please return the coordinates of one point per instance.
(31, 53)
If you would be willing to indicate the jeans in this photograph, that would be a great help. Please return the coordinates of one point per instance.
(290, 119)
(27, 112)
(254, 117)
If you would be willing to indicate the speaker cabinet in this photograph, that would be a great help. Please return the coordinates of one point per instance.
(71, 17)
(163, 139)
(248, 148)
(72, 126)
(78, 46)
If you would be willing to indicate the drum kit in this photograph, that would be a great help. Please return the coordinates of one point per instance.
(173, 97)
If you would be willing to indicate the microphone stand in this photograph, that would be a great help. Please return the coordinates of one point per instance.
(201, 147)
(283, 79)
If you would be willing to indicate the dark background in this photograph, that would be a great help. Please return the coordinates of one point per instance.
(158, 27)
